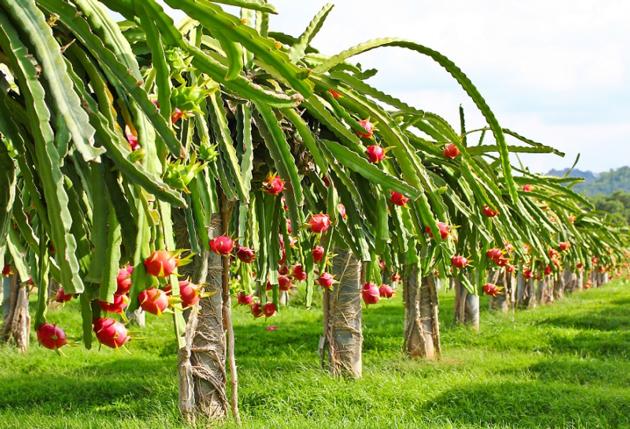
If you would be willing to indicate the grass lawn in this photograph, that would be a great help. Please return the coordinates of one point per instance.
(565, 366)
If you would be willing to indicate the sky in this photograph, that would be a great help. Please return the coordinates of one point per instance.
(556, 71)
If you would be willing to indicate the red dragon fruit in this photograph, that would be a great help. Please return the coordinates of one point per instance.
(283, 270)
(269, 309)
(118, 306)
(451, 151)
(284, 283)
(459, 261)
(490, 289)
(502, 261)
(177, 115)
(221, 245)
(325, 280)
(318, 253)
(385, 291)
(132, 138)
(442, 227)
(61, 296)
(51, 336)
(153, 300)
(375, 153)
(161, 263)
(256, 309)
(189, 293)
(123, 280)
(368, 129)
(370, 293)
(243, 299)
(7, 270)
(494, 253)
(488, 212)
(298, 273)
(398, 199)
(319, 223)
(336, 95)
(273, 184)
(111, 333)
(342, 211)
(245, 254)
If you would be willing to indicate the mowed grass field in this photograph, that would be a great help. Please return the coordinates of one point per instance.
(565, 366)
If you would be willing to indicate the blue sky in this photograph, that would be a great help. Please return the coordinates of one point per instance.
(557, 71)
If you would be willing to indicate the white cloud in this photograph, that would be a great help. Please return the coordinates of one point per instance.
(563, 41)
(601, 146)
(557, 71)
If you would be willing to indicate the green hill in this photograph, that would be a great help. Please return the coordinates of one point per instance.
(609, 191)
(601, 183)
(587, 175)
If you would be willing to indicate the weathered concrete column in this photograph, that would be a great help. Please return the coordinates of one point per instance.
(17, 321)
(343, 336)
(544, 291)
(570, 280)
(501, 301)
(557, 281)
(202, 373)
(466, 305)
(422, 332)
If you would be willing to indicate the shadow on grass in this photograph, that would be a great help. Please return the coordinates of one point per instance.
(593, 344)
(621, 301)
(532, 404)
(583, 372)
(609, 318)
(127, 387)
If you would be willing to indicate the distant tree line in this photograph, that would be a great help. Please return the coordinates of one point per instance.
(607, 182)
(601, 183)
(617, 204)
(609, 191)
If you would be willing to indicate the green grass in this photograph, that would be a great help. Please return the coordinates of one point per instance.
(564, 366)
